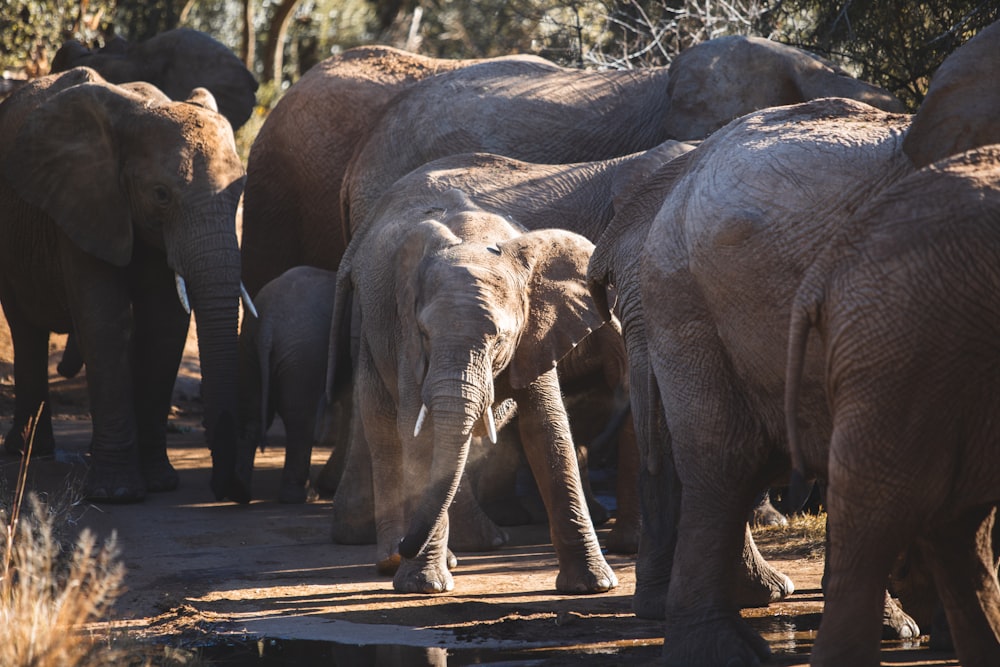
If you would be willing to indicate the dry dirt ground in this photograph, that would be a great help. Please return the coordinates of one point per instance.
(262, 584)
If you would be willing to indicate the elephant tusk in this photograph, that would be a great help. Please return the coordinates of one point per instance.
(491, 426)
(182, 293)
(247, 302)
(420, 419)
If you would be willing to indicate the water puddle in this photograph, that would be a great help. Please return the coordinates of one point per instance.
(299, 652)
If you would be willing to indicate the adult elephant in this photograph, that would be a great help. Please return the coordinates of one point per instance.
(905, 301)
(291, 214)
(176, 61)
(555, 115)
(107, 196)
(521, 107)
(724, 235)
(463, 316)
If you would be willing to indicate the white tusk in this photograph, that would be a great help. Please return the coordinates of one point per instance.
(182, 293)
(420, 419)
(247, 303)
(491, 426)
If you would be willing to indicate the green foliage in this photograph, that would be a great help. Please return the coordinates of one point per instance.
(897, 44)
(32, 30)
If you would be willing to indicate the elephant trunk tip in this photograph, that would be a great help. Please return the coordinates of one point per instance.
(414, 541)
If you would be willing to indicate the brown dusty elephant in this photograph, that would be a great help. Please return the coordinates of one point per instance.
(176, 61)
(730, 229)
(905, 303)
(521, 107)
(942, 127)
(463, 316)
(113, 204)
(297, 162)
(283, 369)
(578, 197)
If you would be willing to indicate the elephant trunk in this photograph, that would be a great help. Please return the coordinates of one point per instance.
(212, 275)
(454, 418)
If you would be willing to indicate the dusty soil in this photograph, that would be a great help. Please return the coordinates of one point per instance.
(263, 584)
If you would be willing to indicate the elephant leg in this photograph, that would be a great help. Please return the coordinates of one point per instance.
(429, 573)
(388, 465)
(549, 448)
(332, 472)
(765, 514)
(102, 318)
(299, 431)
(861, 548)
(471, 529)
(160, 330)
(961, 555)
(71, 362)
(624, 536)
(599, 514)
(31, 388)
(353, 504)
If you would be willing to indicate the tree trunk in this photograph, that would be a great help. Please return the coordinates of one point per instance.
(275, 49)
(248, 46)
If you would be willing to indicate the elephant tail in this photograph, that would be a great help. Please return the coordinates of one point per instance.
(339, 352)
(805, 315)
(265, 338)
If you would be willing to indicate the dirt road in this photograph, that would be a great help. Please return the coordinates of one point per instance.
(262, 584)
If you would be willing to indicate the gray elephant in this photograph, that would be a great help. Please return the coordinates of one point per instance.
(943, 127)
(580, 197)
(113, 205)
(533, 111)
(462, 317)
(291, 211)
(176, 61)
(723, 236)
(283, 369)
(905, 303)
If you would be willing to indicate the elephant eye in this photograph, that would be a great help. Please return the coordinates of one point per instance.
(161, 194)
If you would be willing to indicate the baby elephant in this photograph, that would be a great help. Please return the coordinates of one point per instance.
(283, 368)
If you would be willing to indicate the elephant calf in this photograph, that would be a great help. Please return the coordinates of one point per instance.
(463, 316)
(283, 368)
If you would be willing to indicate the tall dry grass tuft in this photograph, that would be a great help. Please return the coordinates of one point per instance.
(49, 590)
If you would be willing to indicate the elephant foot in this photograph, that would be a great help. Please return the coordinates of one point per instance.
(896, 623)
(761, 585)
(765, 514)
(590, 577)
(418, 576)
(623, 538)
(296, 494)
(712, 638)
(43, 443)
(390, 564)
(159, 474)
(105, 483)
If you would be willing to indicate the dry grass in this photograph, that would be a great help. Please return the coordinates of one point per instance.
(803, 537)
(50, 587)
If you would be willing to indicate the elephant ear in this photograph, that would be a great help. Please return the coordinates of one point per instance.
(561, 312)
(202, 97)
(69, 167)
(417, 242)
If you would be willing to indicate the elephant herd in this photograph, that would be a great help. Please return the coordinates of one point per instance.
(763, 266)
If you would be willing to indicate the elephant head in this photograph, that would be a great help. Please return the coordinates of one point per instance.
(485, 311)
(116, 171)
(176, 62)
(960, 110)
